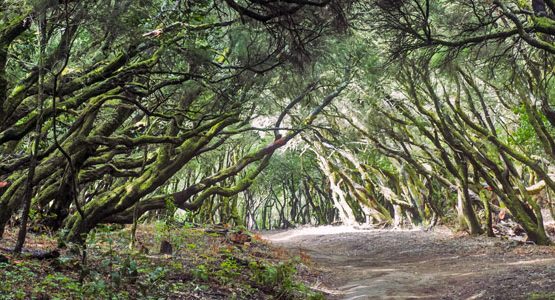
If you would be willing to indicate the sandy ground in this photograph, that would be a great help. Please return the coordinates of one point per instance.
(414, 264)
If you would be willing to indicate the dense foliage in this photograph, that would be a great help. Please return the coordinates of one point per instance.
(270, 114)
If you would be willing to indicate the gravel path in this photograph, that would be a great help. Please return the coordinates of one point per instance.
(403, 264)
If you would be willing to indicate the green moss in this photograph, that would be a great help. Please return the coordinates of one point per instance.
(544, 23)
(17, 90)
(541, 296)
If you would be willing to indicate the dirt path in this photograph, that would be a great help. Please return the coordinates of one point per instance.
(386, 264)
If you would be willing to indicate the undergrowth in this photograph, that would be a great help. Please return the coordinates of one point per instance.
(203, 266)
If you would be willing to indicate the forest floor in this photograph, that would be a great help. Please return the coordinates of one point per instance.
(415, 264)
(206, 262)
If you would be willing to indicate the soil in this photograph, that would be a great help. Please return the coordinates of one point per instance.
(417, 264)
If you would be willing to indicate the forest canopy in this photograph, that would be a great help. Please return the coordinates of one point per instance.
(271, 114)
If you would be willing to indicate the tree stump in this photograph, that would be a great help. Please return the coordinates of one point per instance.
(166, 247)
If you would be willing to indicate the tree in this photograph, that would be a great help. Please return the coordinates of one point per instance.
(132, 99)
